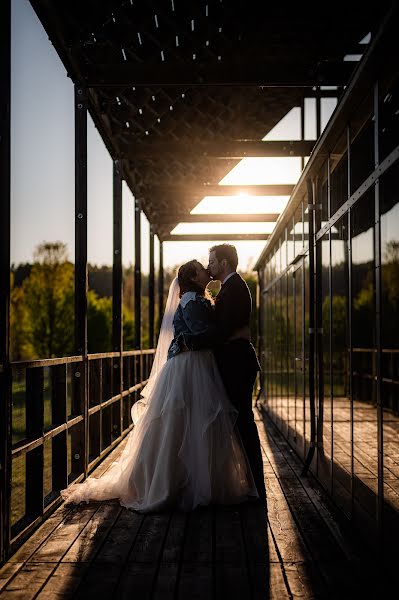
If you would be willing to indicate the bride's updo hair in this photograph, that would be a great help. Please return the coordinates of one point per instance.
(184, 276)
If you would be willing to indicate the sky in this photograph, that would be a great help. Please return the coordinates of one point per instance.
(42, 165)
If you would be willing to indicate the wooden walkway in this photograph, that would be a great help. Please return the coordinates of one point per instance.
(298, 548)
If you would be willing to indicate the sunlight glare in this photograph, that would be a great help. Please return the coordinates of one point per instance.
(240, 204)
(264, 171)
(222, 228)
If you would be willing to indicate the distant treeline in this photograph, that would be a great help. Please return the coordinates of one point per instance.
(42, 305)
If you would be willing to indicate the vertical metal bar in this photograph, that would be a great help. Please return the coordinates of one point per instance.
(34, 430)
(311, 331)
(330, 329)
(137, 274)
(350, 357)
(151, 292)
(319, 322)
(117, 283)
(318, 113)
(160, 283)
(81, 269)
(5, 369)
(59, 415)
(117, 258)
(302, 129)
(378, 333)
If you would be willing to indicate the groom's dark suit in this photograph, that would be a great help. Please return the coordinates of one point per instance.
(237, 364)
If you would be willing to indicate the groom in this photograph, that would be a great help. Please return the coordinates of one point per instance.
(234, 353)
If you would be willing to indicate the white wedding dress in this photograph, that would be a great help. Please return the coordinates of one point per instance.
(183, 451)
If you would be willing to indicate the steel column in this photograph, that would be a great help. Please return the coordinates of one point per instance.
(160, 283)
(378, 333)
(350, 299)
(151, 291)
(117, 258)
(137, 274)
(80, 402)
(5, 370)
(311, 331)
(117, 310)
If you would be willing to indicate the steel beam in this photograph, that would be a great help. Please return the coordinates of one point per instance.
(199, 191)
(214, 237)
(242, 73)
(172, 218)
(234, 149)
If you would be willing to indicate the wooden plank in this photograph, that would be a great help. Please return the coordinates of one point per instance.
(64, 581)
(166, 581)
(199, 541)
(136, 581)
(231, 570)
(149, 540)
(99, 581)
(196, 581)
(94, 533)
(196, 575)
(7, 572)
(121, 538)
(62, 538)
(40, 536)
(28, 581)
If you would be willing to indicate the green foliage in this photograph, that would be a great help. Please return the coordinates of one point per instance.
(44, 305)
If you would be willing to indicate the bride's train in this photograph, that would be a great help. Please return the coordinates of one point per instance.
(183, 452)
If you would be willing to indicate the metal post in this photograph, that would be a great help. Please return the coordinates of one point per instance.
(302, 129)
(151, 291)
(80, 437)
(5, 369)
(318, 114)
(137, 274)
(350, 299)
(160, 283)
(117, 315)
(117, 258)
(378, 334)
(311, 332)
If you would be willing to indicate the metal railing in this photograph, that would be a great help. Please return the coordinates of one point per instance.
(68, 414)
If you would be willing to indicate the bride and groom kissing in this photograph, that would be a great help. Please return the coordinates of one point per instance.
(194, 440)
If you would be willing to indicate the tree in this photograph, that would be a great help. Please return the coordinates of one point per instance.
(48, 294)
(20, 335)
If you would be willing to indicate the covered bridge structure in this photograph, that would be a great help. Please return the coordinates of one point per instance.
(180, 92)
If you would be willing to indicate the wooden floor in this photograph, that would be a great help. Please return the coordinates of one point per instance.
(299, 548)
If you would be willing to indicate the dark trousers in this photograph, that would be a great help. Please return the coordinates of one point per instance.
(238, 366)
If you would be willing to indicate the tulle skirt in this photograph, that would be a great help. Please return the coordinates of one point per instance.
(183, 452)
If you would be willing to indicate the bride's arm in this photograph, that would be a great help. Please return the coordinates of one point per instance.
(200, 320)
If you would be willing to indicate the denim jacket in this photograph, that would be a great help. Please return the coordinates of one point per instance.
(194, 315)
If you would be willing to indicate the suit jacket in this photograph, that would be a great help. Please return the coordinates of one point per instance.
(233, 306)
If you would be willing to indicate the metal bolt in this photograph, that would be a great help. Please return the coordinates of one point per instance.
(77, 374)
(116, 366)
(76, 456)
(80, 215)
(80, 106)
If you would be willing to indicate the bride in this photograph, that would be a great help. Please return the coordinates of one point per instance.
(183, 450)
